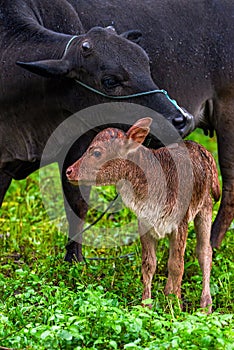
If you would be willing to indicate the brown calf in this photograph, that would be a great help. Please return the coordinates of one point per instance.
(166, 188)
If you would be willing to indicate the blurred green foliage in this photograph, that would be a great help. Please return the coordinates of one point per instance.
(46, 303)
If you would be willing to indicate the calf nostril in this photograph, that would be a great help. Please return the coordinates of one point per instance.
(69, 171)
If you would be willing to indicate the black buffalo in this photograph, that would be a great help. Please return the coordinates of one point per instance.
(191, 47)
(39, 36)
(191, 52)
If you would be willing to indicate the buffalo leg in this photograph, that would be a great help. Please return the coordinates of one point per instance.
(5, 181)
(75, 199)
(76, 208)
(202, 223)
(225, 136)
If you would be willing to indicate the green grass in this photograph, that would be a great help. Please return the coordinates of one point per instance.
(46, 303)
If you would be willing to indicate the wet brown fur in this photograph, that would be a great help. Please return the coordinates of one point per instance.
(123, 158)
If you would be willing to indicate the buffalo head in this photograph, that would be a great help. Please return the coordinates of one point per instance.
(115, 65)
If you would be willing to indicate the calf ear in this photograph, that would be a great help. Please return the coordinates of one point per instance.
(48, 68)
(138, 132)
(132, 35)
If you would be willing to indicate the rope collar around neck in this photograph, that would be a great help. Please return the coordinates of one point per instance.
(144, 93)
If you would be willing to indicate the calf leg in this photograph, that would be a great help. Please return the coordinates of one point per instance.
(148, 244)
(5, 181)
(225, 136)
(177, 243)
(202, 224)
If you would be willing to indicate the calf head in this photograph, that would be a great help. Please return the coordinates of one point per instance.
(114, 65)
(107, 157)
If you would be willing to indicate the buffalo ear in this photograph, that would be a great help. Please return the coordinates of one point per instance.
(137, 133)
(111, 29)
(132, 35)
(48, 68)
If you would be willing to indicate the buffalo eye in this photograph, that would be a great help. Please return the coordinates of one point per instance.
(97, 154)
(110, 82)
(86, 45)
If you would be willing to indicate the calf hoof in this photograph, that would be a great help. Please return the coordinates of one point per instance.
(206, 304)
(147, 303)
(207, 309)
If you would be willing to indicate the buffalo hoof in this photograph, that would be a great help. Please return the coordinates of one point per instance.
(74, 252)
(215, 240)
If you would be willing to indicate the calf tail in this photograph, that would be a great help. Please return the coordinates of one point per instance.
(215, 186)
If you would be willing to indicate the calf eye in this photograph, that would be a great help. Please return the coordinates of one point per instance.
(110, 82)
(97, 154)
